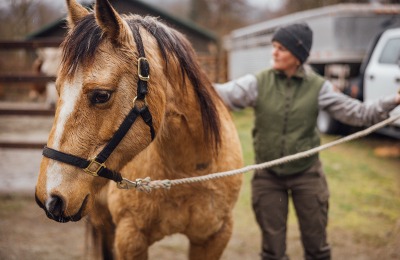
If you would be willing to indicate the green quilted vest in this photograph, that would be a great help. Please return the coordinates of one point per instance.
(285, 118)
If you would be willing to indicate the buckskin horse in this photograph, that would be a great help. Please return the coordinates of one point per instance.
(133, 102)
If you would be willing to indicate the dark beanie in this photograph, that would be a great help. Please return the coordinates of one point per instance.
(297, 38)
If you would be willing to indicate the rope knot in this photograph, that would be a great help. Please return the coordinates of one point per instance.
(145, 185)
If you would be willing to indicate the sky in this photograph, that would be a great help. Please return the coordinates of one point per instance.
(273, 5)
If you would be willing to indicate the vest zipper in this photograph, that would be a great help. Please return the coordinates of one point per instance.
(288, 98)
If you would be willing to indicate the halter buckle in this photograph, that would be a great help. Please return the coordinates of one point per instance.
(141, 76)
(94, 167)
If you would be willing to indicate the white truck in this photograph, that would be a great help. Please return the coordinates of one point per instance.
(379, 76)
(355, 46)
(382, 73)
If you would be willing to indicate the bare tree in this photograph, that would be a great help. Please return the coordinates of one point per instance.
(220, 16)
(21, 17)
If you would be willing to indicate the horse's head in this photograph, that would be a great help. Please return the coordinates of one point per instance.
(98, 87)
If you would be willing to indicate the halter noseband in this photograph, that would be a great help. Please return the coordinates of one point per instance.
(96, 166)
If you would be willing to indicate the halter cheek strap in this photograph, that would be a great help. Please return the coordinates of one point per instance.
(96, 166)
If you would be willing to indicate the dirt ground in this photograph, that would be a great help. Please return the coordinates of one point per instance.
(26, 233)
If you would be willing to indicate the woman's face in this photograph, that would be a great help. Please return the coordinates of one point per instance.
(284, 60)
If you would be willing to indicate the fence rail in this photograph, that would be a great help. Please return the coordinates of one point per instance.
(30, 44)
(27, 111)
(22, 145)
(26, 77)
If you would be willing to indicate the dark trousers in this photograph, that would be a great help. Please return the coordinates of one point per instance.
(310, 194)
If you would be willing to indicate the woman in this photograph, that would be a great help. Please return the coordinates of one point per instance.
(286, 99)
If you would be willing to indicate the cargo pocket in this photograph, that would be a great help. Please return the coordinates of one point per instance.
(323, 200)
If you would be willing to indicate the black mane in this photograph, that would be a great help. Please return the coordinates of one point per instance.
(82, 42)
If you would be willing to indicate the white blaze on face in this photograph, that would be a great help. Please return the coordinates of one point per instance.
(70, 94)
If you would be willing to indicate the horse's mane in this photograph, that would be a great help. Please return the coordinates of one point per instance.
(81, 44)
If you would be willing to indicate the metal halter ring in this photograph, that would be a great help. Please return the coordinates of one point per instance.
(144, 100)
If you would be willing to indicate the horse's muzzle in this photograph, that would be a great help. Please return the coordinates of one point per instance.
(55, 209)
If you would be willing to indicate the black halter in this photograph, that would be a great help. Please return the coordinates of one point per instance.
(96, 166)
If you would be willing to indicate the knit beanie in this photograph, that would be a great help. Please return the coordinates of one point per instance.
(297, 38)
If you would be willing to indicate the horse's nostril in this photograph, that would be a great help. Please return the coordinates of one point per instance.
(55, 206)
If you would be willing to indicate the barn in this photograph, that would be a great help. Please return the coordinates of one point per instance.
(204, 42)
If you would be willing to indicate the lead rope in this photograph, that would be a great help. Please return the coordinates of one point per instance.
(147, 184)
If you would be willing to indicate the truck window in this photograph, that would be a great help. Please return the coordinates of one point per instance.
(391, 52)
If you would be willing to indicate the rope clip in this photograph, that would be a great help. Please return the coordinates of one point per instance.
(139, 184)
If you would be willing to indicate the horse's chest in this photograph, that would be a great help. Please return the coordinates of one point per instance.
(188, 215)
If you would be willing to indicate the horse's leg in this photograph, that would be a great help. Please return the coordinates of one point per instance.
(102, 240)
(213, 247)
(130, 243)
(101, 230)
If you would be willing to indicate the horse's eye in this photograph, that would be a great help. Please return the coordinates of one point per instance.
(100, 97)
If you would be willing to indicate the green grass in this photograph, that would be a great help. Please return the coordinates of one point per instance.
(365, 194)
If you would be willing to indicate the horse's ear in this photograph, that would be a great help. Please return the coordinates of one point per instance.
(76, 12)
(110, 22)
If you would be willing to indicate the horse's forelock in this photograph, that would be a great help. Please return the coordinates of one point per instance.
(80, 45)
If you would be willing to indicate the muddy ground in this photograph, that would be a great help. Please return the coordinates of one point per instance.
(26, 233)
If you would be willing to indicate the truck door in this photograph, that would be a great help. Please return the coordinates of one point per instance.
(382, 75)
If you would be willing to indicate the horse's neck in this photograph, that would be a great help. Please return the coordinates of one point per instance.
(183, 136)
(181, 145)
(179, 149)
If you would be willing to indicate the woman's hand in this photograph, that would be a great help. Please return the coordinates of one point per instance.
(398, 98)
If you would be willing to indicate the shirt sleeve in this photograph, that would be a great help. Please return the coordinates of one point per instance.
(240, 93)
(352, 111)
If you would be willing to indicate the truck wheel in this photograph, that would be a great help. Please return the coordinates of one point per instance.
(326, 124)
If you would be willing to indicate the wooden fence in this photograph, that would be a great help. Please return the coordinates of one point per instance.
(19, 109)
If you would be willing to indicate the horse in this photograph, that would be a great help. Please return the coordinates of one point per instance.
(134, 103)
(50, 61)
(46, 63)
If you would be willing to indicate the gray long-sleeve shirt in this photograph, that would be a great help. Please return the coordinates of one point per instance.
(242, 92)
